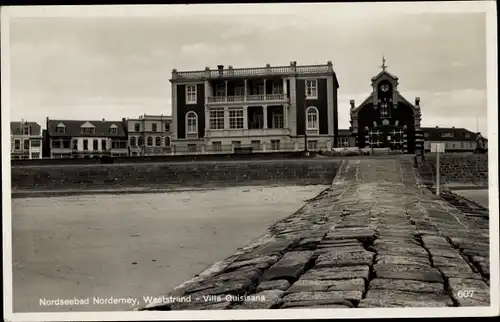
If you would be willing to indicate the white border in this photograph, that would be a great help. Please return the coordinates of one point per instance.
(273, 9)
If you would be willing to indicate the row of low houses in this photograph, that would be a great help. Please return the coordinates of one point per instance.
(151, 135)
(260, 109)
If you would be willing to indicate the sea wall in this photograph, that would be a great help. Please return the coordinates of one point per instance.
(173, 175)
(456, 168)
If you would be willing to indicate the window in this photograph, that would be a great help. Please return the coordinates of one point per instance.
(312, 118)
(312, 145)
(258, 88)
(167, 127)
(278, 122)
(236, 118)
(26, 130)
(132, 141)
(311, 88)
(150, 141)
(137, 127)
(190, 94)
(453, 145)
(239, 91)
(103, 145)
(462, 145)
(75, 144)
(426, 135)
(192, 123)
(95, 145)
(236, 144)
(192, 148)
(255, 145)
(88, 130)
(158, 141)
(60, 129)
(217, 119)
(153, 127)
(35, 155)
(447, 135)
(140, 141)
(216, 146)
(220, 90)
(26, 144)
(55, 144)
(277, 87)
(35, 143)
(17, 144)
(66, 144)
(275, 145)
(167, 141)
(113, 129)
(85, 145)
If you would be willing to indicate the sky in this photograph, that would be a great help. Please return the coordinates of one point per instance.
(97, 65)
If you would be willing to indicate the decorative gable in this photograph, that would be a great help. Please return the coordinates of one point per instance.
(113, 129)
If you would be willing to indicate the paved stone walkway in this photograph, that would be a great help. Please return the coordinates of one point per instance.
(377, 238)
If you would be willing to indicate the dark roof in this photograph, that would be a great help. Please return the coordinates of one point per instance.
(73, 128)
(459, 134)
(17, 128)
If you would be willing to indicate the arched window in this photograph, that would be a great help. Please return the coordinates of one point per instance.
(140, 141)
(150, 141)
(278, 121)
(158, 141)
(191, 123)
(312, 118)
(167, 141)
(132, 141)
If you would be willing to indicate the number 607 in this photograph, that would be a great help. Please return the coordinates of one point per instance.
(465, 293)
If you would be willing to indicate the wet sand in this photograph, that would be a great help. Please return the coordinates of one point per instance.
(131, 246)
(478, 196)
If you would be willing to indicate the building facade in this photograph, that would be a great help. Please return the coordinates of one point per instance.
(261, 109)
(149, 135)
(385, 120)
(86, 139)
(26, 140)
(454, 139)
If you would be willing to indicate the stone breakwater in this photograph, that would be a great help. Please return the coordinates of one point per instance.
(377, 238)
(173, 175)
(460, 168)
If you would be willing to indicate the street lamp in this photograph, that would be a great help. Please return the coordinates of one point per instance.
(308, 93)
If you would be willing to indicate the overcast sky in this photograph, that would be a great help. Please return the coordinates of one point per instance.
(114, 67)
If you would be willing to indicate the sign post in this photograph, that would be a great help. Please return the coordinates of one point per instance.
(438, 148)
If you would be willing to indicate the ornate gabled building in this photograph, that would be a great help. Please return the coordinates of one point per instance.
(386, 120)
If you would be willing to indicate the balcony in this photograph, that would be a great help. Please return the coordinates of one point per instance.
(268, 98)
(246, 132)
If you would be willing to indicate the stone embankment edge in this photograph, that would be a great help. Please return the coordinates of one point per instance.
(220, 266)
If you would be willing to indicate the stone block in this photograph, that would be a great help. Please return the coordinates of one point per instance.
(290, 266)
(335, 259)
(273, 285)
(406, 285)
(338, 273)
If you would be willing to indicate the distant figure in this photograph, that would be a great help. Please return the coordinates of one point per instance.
(479, 143)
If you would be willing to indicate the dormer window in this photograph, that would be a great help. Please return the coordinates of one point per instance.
(447, 135)
(467, 136)
(60, 129)
(113, 129)
(87, 128)
(27, 129)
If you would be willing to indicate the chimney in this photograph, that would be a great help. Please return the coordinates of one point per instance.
(417, 101)
(104, 120)
(221, 69)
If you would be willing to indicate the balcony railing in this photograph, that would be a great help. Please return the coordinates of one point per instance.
(245, 132)
(248, 98)
(256, 71)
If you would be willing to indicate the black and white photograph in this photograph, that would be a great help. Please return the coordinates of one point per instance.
(250, 161)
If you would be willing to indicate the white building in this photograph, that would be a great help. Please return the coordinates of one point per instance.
(85, 139)
(26, 140)
(149, 135)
